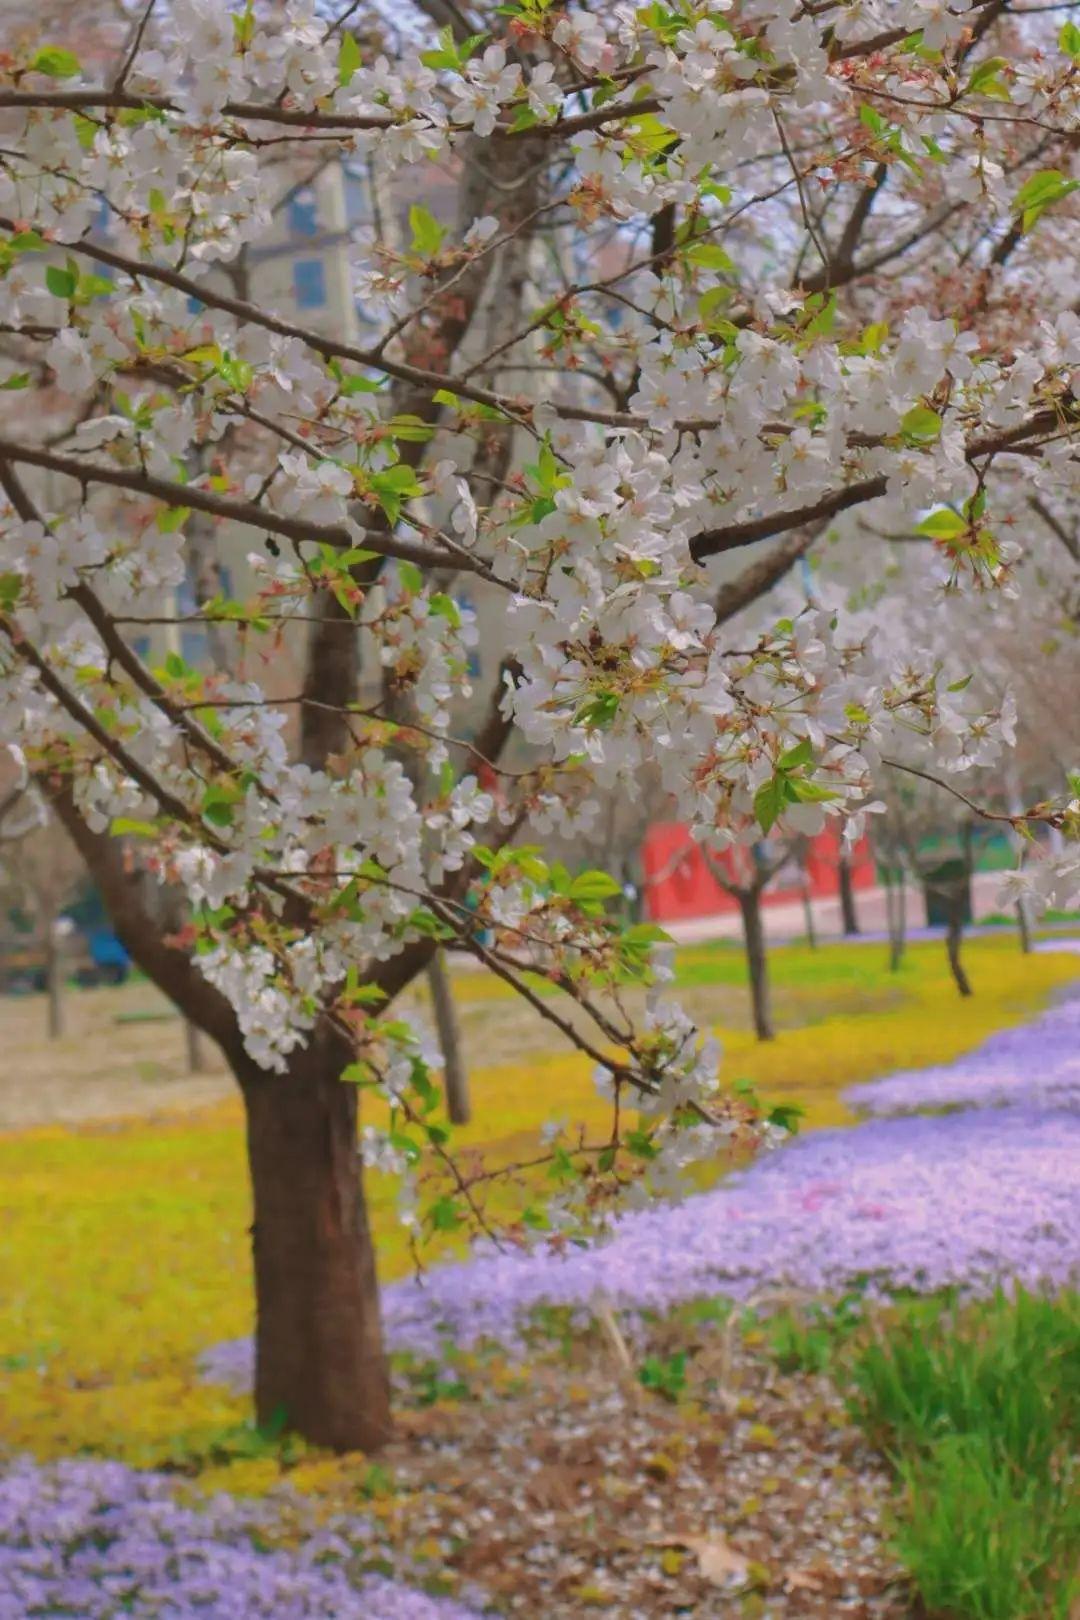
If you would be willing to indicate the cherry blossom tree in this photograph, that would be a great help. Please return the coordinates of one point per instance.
(715, 275)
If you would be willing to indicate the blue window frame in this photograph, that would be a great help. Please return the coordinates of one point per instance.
(304, 214)
(309, 283)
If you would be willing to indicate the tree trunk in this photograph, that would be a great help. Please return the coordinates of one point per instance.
(1023, 923)
(808, 917)
(318, 1343)
(54, 979)
(847, 896)
(319, 1362)
(898, 942)
(756, 963)
(954, 934)
(193, 1043)
(455, 1078)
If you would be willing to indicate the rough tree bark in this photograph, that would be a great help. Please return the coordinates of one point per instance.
(319, 1362)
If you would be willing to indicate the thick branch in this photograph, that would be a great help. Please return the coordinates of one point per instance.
(761, 575)
(257, 517)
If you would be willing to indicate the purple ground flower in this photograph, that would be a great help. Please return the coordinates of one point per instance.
(96, 1540)
(1036, 1062)
(969, 1199)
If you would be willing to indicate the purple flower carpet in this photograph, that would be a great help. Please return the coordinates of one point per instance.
(970, 1198)
(97, 1541)
(986, 1192)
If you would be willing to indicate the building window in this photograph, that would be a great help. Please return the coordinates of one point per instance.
(309, 283)
(195, 305)
(193, 646)
(304, 214)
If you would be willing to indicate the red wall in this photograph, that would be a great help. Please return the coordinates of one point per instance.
(679, 884)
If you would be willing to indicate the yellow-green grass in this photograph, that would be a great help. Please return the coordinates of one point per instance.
(123, 1245)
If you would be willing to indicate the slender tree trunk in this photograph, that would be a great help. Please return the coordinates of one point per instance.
(455, 1078)
(54, 979)
(954, 935)
(319, 1362)
(1023, 924)
(898, 942)
(756, 962)
(847, 895)
(808, 916)
(193, 1044)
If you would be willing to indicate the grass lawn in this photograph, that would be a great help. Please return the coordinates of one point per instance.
(124, 1250)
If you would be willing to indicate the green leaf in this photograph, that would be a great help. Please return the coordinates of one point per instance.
(173, 518)
(801, 754)
(446, 608)
(809, 792)
(55, 62)
(598, 711)
(125, 827)
(427, 233)
(786, 1116)
(770, 800)
(825, 319)
(26, 242)
(921, 425)
(244, 25)
(91, 286)
(359, 385)
(944, 524)
(593, 885)
(349, 58)
(1069, 40)
(1043, 189)
(411, 577)
(444, 1215)
(237, 373)
(61, 283)
(21, 379)
(709, 256)
(986, 80)
(410, 428)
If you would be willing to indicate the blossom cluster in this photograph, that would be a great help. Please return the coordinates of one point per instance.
(819, 337)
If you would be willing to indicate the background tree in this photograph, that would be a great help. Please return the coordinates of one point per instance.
(40, 872)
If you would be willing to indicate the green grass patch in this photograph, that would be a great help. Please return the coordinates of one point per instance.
(979, 1409)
